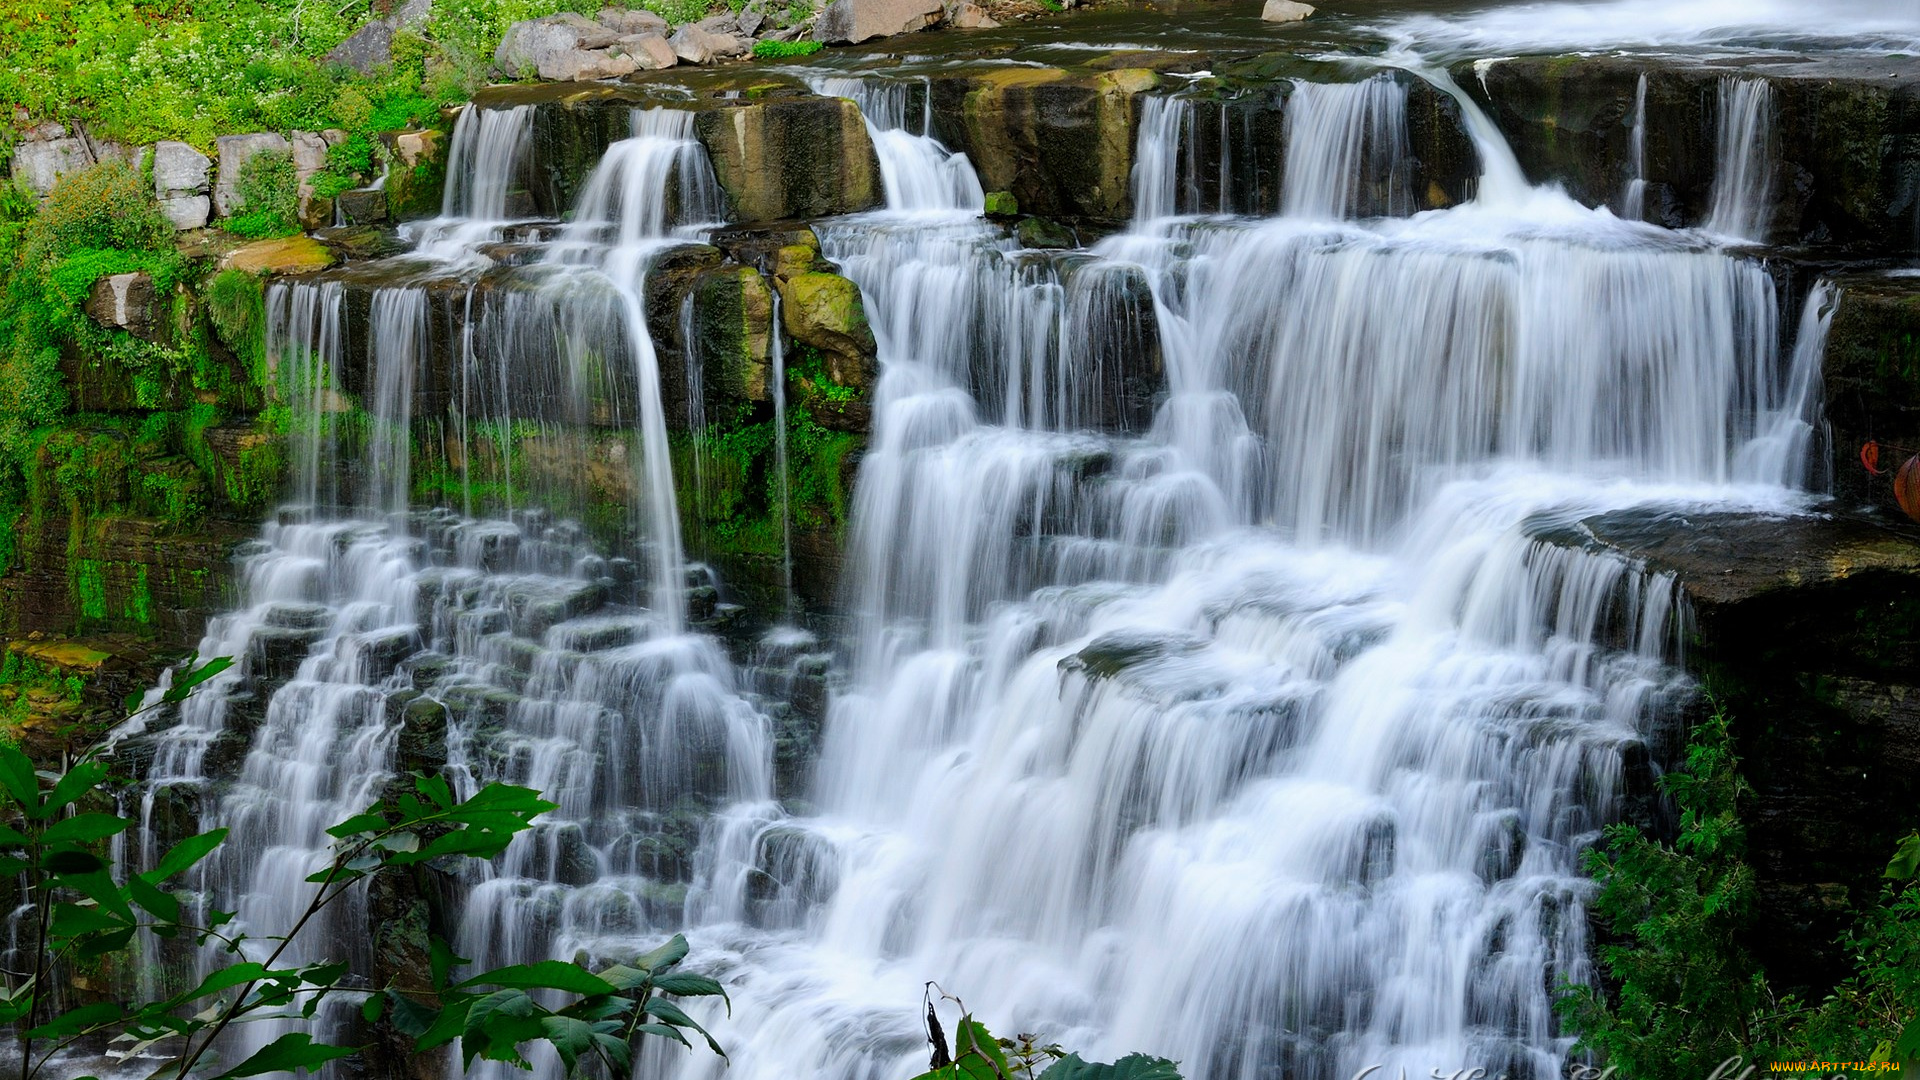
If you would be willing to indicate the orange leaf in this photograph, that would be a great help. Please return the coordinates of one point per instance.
(1870, 457)
(1906, 487)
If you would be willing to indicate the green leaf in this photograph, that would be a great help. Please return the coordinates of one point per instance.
(669, 1013)
(972, 1037)
(1131, 1067)
(72, 921)
(75, 1021)
(225, 978)
(446, 1026)
(372, 1007)
(496, 1026)
(292, 1051)
(664, 957)
(84, 828)
(20, 782)
(625, 978)
(134, 699)
(185, 854)
(184, 683)
(1906, 859)
(545, 975)
(683, 985)
(323, 974)
(72, 863)
(79, 780)
(664, 1031)
(357, 824)
(1907, 1047)
(570, 1038)
(441, 960)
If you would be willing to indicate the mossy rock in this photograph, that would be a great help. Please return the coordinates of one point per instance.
(791, 158)
(826, 312)
(733, 332)
(285, 255)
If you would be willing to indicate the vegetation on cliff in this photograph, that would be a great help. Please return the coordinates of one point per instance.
(1683, 993)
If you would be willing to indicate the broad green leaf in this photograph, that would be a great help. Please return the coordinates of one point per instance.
(436, 790)
(12, 837)
(545, 975)
(99, 888)
(224, 979)
(684, 985)
(571, 1038)
(669, 1013)
(1131, 1067)
(323, 974)
(133, 700)
(447, 1025)
(972, 1037)
(357, 824)
(627, 979)
(292, 1051)
(372, 1007)
(664, 957)
(102, 944)
(1907, 1047)
(411, 1018)
(442, 961)
(664, 1031)
(84, 829)
(72, 863)
(20, 782)
(1906, 860)
(184, 683)
(162, 905)
(79, 780)
(72, 921)
(185, 854)
(75, 1021)
(497, 1025)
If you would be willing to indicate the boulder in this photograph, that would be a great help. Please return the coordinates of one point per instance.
(235, 151)
(414, 147)
(368, 49)
(558, 48)
(849, 22)
(785, 158)
(650, 51)
(970, 16)
(362, 206)
(1002, 204)
(733, 331)
(1285, 11)
(695, 45)
(180, 184)
(125, 302)
(826, 312)
(748, 22)
(40, 164)
(188, 211)
(627, 22)
(286, 255)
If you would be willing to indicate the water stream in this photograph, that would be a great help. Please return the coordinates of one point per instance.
(1215, 683)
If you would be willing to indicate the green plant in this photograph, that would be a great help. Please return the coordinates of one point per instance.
(782, 50)
(82, 911)
(269, 197)
(1687, 994)
(977, 1055)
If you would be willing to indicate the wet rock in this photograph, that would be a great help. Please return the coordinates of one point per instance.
(1285, 11)
(422, 743)
(275, 653)
(791, 158)
(733, 332)
(1113, 655)
(536, 604)
(362, 206)
(849, 22)
(1872, 380)
(180, 183)
(826, 312)
(1060, 142)
(378, 654)
(126, 302)
(362, 241)
(287, 255)
(1044, 235)
(234, 151)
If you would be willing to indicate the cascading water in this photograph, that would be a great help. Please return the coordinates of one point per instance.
(1633, 198)
(1218, 684)
(1743, 183)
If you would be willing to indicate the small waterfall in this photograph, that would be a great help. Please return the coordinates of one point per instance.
(1787, 448)
(397, 341)
(1166, 124)
(1743, 184)
(304, 327)
(1347, 150)
(1633, 198)
(647, 186)
(777, 362)
(483, 164)
(918, 173)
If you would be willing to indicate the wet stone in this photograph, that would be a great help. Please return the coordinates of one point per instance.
(536, 605)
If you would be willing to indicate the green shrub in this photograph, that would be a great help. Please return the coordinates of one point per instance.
(269, 197)
(106, 206)
(781, 50)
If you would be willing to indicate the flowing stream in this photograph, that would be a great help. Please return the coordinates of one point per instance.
(1216, 683)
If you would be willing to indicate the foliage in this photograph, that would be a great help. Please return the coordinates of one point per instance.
(106, 206)
(80, 910)
(977, 1055)
(1687, 993)
(269, 197)
(781, 50)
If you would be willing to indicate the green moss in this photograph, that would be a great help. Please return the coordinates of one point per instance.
(236, 305)
(728, 483)
(782, 50)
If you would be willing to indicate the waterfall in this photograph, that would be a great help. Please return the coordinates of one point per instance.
(917, 172)
(1219, 679)
(1743, 182)
(1347, 150)
(1633, 198)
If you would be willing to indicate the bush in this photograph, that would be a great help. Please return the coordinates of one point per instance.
(781, 50)
(106, 206)
(269, 194)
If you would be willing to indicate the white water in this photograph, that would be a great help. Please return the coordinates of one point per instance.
(1574, 25)
(918, 173)
(1633, 198)
(1262, 734)
(1742, 198)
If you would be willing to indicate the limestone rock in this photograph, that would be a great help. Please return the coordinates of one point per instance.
(413, 147)
(309, 154)
(971, 16)
(559, 48)
(40, 164)
(362, 206)
(188, 211)
(125, 302)
(849, 22)
(368, 49)
(287, 255)
(179, 169)
(650, 51)
(780, 159)
(1285, 11)
(626, 22)
(826, 312)
(695, 45)
(733, 331)
(235, 151)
